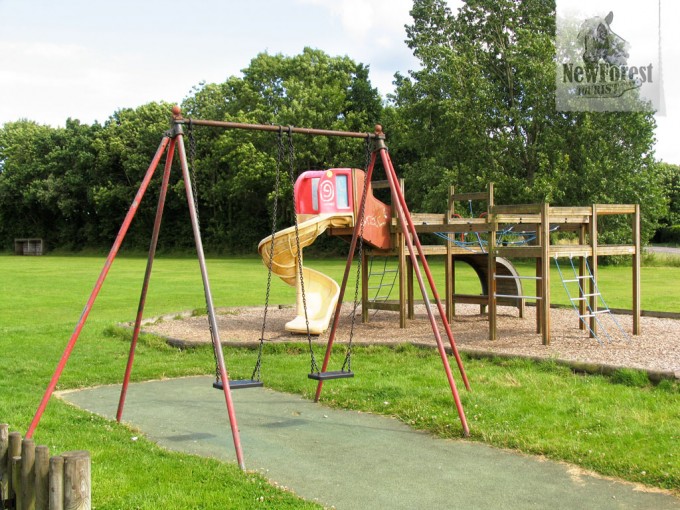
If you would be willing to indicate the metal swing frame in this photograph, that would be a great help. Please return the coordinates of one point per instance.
(172, 141)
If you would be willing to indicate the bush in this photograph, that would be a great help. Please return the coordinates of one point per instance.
(669, 234)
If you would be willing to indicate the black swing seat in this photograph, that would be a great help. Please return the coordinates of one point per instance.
(325, 376)
(239, 384)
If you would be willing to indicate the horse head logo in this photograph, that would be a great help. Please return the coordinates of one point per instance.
(601, 44)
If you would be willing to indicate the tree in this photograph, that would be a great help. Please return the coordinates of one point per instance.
(74, 185)
(670, 185)
(236, 169)
(482, 109)
(44, 182)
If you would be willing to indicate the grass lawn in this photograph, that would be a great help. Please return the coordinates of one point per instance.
(620, 426)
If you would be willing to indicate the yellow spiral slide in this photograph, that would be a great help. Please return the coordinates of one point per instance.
(320, 291)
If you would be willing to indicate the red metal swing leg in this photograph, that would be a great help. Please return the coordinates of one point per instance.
(97, 287)
(408, 227)
(147, 277)
(345, 278)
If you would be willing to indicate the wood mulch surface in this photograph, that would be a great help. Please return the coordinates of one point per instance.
(656, 349)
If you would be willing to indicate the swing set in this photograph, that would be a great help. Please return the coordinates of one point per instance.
(172, 141)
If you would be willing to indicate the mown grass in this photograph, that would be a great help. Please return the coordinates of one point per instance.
(621, 426)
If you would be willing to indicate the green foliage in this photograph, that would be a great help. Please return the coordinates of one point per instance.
(72, 186)
(668, 235)
(482, 109)
(669, 176)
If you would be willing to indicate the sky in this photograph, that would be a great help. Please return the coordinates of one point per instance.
(85, 59)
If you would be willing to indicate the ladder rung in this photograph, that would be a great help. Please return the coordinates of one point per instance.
(577, 279)
(599, 312)
(383, 272)
(584, 297)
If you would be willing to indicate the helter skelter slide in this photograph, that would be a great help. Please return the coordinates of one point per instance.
(324, 199)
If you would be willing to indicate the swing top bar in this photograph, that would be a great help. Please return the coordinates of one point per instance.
(178, 119)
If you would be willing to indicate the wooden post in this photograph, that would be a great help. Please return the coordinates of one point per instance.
(637, 259)
(364, 287)
(410, 288)
(491, 277)
(403, 276)
(593, 269)
(42, 469)
(545, 273)
(14, 450)
(582, 273)
(56, 496)
(4, 463)
(27, 475)
(403, 281)
(453, 286)
(539, 285)
(490, 203)
(16, 481)
(77, 480)
(448, 266)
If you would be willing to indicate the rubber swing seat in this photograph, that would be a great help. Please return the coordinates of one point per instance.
(239, 384)
(325, 376)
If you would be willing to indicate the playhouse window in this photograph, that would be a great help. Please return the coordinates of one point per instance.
(315, 194)
(342, 196)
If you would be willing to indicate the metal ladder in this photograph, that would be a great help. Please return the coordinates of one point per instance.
(596, 312)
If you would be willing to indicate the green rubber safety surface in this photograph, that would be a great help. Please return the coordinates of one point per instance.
(351, 460)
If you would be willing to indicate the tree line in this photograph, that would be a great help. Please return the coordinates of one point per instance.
(480, 109)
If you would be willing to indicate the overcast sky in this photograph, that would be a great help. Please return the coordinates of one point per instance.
(86, 59)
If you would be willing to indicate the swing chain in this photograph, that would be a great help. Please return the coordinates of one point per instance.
(347, 363)
(194, 190)
(291, 172)
(192, 167)
(277, 186)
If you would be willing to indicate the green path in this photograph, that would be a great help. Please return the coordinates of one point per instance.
(354, 460)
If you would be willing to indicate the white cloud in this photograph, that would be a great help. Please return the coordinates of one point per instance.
(360, 18)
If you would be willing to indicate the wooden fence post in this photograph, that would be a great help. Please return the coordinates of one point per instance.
(42, 468)
(14, 450)
(56, 483)
(27, 475)
(16, 481)
(31, 480)
(4, 468)
(77, 480)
